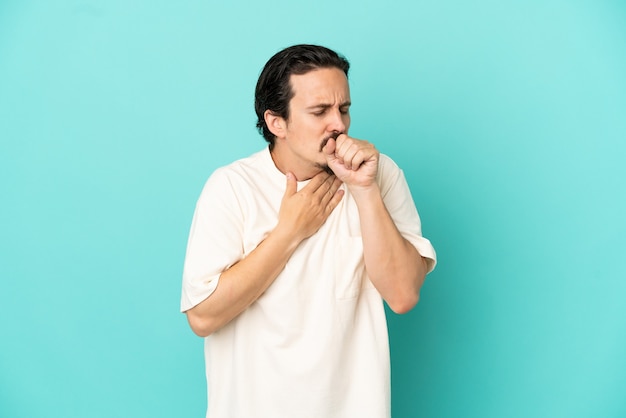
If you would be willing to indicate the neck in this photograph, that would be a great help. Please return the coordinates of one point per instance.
(302, 172)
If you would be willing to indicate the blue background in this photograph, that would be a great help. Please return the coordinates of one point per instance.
(508, 117)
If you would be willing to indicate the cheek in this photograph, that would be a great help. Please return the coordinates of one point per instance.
(316, 125)
(307, 123)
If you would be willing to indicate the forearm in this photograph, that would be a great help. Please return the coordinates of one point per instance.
(393, 264)
(243, 283)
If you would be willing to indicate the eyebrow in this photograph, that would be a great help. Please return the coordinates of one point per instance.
(327, 105)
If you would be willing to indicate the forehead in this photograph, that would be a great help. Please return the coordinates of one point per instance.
(320, 85)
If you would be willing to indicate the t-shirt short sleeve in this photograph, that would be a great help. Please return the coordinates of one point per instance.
(215, 239)
(399, 202)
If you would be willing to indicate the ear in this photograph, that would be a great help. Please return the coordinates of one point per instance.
(276, 124)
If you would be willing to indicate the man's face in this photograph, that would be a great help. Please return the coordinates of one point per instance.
(318, 110)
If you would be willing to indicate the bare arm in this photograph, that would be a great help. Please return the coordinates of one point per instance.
(301, 215)
(393, 264)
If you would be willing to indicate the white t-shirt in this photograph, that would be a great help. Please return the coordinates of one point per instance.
(315, 344)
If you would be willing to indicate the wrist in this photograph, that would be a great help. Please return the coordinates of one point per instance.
(365, 193)
(286, 237)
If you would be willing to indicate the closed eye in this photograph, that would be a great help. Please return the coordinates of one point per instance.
(320, 110)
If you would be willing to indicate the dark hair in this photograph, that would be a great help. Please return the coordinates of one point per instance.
(273, 90)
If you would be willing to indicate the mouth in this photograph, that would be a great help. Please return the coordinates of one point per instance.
(334, 135)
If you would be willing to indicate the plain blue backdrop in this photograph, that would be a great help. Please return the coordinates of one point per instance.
(508, 118)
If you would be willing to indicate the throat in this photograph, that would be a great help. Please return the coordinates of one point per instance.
(305, 171)
(326, 168)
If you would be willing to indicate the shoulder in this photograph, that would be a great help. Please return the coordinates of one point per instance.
(243, 165)
(386, 162)
(388, 170)
(238, 170)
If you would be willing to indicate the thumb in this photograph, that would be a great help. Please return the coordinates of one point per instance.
(329, 148)
(329, 151)
(292, 184)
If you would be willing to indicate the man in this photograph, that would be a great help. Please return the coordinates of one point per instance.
(292, 251)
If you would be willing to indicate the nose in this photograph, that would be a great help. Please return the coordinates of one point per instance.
(336, 122)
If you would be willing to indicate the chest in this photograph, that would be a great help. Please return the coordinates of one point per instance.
(329, 264)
